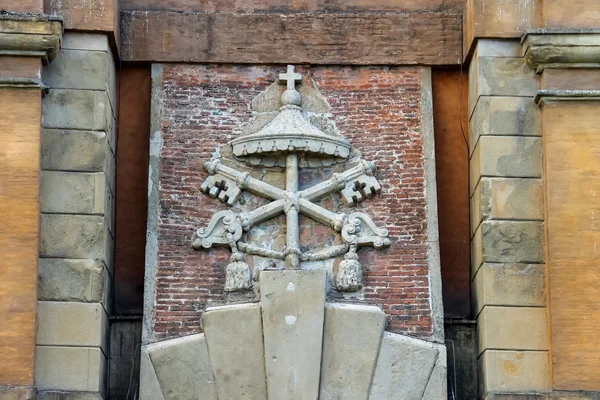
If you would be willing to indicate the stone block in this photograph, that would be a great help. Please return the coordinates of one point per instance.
(72, 192)
(149, 385)
(183, 368)
(73, 150)
(70, 368)
(506, 156)
(507, 199)
(509, 285)
(78, 69)
(85, 41)
(507, 242)
(501, 76)
(514, 372)
(504, 116)
(71, 280)
(350, 354)
(512, 328)
(71, 324)
(72, 236)
(516, 199)
(235, 333)
(76, 109)
(293, 304)
(498, 48)
(404, 367)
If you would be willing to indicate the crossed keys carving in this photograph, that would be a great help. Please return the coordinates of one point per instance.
(226, 227)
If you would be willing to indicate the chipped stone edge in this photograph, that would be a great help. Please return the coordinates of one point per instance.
(433, 241)
(151, 259)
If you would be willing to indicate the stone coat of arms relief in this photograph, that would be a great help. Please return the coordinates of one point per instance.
(291, 138)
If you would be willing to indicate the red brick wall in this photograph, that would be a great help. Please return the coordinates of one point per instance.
(378, 109)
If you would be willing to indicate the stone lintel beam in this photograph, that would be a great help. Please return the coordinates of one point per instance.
(562, 48)
(30, 35)
(430, 38)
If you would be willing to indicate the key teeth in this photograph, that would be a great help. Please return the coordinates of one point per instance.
(351, 195)
(212, 187)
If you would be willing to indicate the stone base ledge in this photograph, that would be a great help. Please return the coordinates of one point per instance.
(17, 392)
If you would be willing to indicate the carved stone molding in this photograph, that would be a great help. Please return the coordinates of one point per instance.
(546, 96)
(562, 48)
(34, 35)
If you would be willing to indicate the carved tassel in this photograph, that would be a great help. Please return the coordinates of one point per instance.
(238, 275)
(350, 275)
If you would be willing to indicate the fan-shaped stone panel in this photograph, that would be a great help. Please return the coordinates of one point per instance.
(293, 346)
(351, 341)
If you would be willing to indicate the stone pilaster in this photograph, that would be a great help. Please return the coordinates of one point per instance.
(507, 222)
(26, 41)
(568, 63)
(77, 220)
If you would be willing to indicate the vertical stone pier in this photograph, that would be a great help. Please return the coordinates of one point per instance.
(77, 220)
(507, 221)
(26, 41)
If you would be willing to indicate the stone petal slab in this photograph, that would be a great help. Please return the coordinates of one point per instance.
(183, 368)
(403, 369)
(149, 386)
(351, 343)
(437, 388)
(293, 304)
(235, 345)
